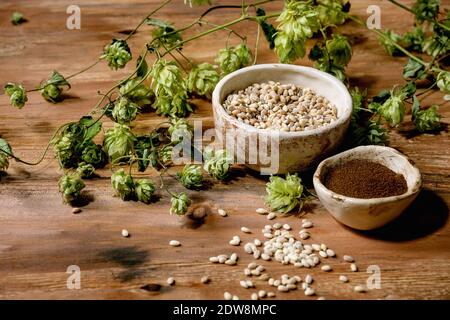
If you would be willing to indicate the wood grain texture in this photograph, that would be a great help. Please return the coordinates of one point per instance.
(40, 237)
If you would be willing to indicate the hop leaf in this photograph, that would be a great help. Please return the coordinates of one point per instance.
(283, 195)
(443, 81)
(393, 109)
(387, 39)
(298, 22)
(368, 133)
(425, 120)
(124, 111)
(144, 189)
(70, 186)
(85, 170)
(414, 70)
(268, 29)
(93, 154)
(233, 58)
(164, 34)
(17, 18)
(119, 143)
(426, 10)
(191, 176)
(202, 79)
(123, 184)
(135, 91)
(17, 95)
(180, 129)
(117, 54)
(179, 204)
(358, 98)
(52, 88)
(4, 158)
(217, 163)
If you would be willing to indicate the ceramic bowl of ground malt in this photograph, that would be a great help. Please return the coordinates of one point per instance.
(367, 187)
(280, 118)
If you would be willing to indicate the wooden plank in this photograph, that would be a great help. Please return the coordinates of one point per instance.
(40, 237)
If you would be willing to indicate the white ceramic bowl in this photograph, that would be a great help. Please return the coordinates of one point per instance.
(366, 214)
(297, 151)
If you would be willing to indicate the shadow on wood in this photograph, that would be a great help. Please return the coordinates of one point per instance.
(427, 214)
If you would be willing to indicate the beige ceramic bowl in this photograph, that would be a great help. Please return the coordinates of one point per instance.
(366, 214)
(297, 151)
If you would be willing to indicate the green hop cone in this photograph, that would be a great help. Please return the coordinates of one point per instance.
(233, 58)
(123, 184)
(191, 176)
(85, 170)
(170, 89)
(93, 154)
(180, 129)
(443, 81)
(428, 120)
(70, 186)
(144, 189)
(331, 12)
(17, 18)
(124, 111)
(393, 109)
(426, 9)
(284, 195)
(217, 163)
(298, 22)
(117, 54)
(425, 120)
(64, 147)
(202, 79)
(52, 88)
(165, 155)
(17, 95)
(119, 143)
(4, 158)
(339, 50)
(179, 204)
(135, 91)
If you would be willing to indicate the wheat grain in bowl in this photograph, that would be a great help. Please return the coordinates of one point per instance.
(285, 107)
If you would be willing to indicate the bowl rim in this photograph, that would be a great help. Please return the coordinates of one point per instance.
(345, 117)
(371, 201)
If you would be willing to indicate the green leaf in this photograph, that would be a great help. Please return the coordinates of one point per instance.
(92, 127)
(157, 23)
(268, 29)
(388, 38)
(142, 67)
(414, 70)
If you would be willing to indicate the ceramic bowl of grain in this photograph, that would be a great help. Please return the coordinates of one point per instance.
(272, 150)
(367, 213)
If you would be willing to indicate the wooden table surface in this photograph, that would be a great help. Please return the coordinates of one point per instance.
(40, 237)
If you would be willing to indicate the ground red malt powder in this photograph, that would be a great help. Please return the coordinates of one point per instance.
(364, 179)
